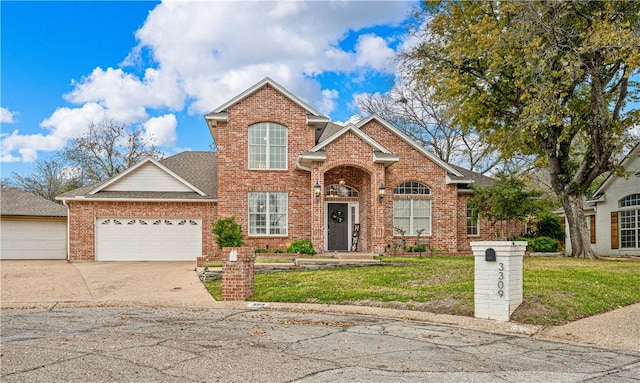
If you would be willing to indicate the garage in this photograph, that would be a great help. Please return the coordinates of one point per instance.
(26, 239)
(148, 239)
(31, 227)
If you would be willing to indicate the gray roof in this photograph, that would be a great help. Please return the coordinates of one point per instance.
(198, 168)
(16, 202)
(329, 131)
(478, 179)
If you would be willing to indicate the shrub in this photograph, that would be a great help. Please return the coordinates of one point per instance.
(228, 232)
(302, 246)
(550, 225)
(278, 251)
(416, 249)
(261, 251)
(545, 244)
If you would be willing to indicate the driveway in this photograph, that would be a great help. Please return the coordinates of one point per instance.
(38, 283)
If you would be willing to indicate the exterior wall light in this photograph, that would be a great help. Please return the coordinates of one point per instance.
(317, 189)
(381, 191)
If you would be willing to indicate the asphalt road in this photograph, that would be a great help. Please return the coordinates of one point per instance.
(145, 344)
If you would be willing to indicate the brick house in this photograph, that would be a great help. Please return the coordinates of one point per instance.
(286, 173)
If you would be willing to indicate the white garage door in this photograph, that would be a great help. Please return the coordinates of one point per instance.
(33, 239)
(148, 239)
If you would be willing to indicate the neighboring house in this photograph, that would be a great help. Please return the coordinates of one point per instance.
(286, 173)
(31, 227)
(613, 213)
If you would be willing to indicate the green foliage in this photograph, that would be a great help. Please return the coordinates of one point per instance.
(547, 79)
(278, 251)
(416, 249)
(549, 225)
(261, 251)
(302, 246)
(506, 200)
(545, 244)
(228, 233)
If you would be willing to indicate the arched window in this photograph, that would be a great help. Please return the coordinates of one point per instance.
(267, 146)
(337, 190)
(412, 208)
(629, 221)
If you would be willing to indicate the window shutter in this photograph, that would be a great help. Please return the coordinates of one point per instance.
(614, 229)
(592, 219)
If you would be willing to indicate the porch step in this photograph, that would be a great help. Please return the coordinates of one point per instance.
(352, 255)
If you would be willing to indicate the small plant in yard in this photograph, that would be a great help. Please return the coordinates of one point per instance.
(228, 233)
(302, 246)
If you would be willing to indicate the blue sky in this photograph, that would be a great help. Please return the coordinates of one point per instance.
(162, 66)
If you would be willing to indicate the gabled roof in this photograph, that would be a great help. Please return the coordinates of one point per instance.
(380, 153)
(633, 154)
(195, 170)
(446, 166)
(132, 170)
(220, 113)
(355, 130)
(16, 202)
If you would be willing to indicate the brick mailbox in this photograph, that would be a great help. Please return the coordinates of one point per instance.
(237, 273)
(498, 278)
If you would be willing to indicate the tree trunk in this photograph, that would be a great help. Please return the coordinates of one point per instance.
(578, 230)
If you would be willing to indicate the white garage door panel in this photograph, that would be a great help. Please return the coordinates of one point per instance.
(144, 239)
(33, 239)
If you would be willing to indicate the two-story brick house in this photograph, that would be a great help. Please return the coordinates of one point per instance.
(286, 173)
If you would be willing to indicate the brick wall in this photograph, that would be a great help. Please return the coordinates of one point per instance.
(82, 217)
(235, 180)
(415, 166)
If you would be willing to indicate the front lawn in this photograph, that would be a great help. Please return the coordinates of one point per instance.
(556, 290)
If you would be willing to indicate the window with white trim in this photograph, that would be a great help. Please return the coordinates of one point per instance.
(473, 226)
(412, 208)
(268, 213)
(629, 222)
(267, 146)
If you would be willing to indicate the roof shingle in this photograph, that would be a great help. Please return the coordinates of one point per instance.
(17, 202)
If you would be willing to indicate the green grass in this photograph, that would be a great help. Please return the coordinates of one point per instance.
(556, 290)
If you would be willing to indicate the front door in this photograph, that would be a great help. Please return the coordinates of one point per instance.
(338, 227)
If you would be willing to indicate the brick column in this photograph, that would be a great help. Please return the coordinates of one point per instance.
(237, 273)
(378, 210)
(317, 218)
(498, 278)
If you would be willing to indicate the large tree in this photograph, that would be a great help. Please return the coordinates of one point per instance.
(410, 107)
(106, 149)
(546, 78)
(49, 179)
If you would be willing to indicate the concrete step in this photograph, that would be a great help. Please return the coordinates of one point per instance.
(352, 255)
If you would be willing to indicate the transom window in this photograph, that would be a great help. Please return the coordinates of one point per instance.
(337, 190)
(630, 200)
(629, 222)
(412, 208)
(267, 146)
(267, 213)
(412, 188)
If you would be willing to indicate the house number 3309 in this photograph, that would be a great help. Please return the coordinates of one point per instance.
(500, 279)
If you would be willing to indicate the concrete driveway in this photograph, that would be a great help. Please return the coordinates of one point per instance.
(38, 283)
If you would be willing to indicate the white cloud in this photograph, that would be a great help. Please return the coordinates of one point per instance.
(204, 53)
(374, 52)
(6, 116)
(161, 131)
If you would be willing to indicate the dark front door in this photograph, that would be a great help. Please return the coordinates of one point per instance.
(338, 227)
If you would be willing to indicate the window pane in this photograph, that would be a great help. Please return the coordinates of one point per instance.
(630, 229)
(277, 157)
(267, 213)
(402, 214)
